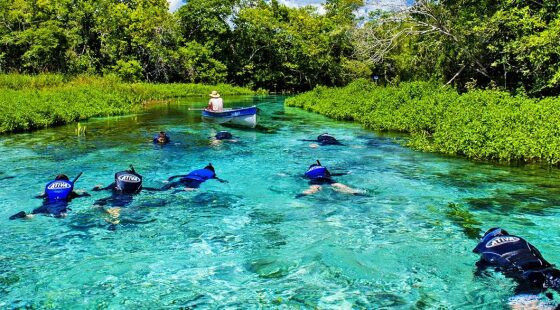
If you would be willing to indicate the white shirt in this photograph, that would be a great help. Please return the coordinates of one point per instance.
(217, 104)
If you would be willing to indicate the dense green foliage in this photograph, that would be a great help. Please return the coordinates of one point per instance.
(508, 44)
(511, 45)
(32, 102)
(479, 124)
(260, 44)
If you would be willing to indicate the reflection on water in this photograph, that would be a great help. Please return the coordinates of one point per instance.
(406, 244)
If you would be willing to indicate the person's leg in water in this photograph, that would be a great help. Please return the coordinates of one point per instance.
(57, 209)
(315, 186)
(116, 202)
(313, 189)
(191, 185)
(341, 188)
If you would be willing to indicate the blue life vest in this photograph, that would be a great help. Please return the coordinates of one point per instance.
(58, 190)
(316, 172)
(199, 175)
(128, 182)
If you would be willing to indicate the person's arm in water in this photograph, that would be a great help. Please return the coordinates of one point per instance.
(43, 195)
(152, 189)
(79, 194)
(98, 188)
(220, 180)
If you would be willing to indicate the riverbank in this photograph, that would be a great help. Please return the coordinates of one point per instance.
(479, 124)
(34, 102)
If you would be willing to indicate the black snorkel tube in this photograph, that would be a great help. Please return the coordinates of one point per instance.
(77, 177)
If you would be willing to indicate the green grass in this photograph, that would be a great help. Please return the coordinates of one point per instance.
(480, 124)
(34, 102)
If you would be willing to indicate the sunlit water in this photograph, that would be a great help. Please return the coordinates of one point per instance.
(250, 243)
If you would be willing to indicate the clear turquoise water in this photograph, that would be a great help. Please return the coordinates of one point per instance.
(250, 243)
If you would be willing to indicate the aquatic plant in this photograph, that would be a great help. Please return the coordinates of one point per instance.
(462, 217)
(479, 124)
(33, 102)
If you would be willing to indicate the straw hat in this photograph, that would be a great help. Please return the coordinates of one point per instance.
(214, 94)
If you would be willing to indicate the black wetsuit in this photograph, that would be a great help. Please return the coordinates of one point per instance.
(127, 184)
(517, 259)
(326, 139)
(58, 207)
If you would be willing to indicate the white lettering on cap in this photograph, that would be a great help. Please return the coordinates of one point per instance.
(129, 178)
(59, 185)
(501, 240)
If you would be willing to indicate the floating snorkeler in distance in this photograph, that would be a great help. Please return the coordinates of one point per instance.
(319, 175)
(194, 179)
(324, 139)
(517, 259)
(127, 184)
(58, 193)
(223, 135)
(162, 138)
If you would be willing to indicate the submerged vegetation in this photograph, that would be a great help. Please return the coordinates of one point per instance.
(479, 124)
(33, 102)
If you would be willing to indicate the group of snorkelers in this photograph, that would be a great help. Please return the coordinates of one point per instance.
(512, 255)
(127, 183)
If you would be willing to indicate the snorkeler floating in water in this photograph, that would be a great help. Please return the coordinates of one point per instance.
(223, 135)
(194, 179)
(162, 138)
(58, 193)
(517, 259)
(127, 184)
(320, 175)
(324, 139)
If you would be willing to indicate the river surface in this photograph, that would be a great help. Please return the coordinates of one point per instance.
(250, 243)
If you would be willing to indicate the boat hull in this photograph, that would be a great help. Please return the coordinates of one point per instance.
(246, 117)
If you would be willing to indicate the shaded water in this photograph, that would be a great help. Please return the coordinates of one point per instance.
(250, 243)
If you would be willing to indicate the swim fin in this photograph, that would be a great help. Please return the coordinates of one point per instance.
(19, 215)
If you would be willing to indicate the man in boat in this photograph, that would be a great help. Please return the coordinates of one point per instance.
(319, 175)
(216, 103)
(58, 193)
(324, 139)
(162, 138)
(127, 184)
(194, 179)
(517, 259)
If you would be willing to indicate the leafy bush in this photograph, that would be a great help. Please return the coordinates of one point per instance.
(479, 124)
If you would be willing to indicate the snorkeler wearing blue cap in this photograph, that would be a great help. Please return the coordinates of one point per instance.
(517, 259)
(194, 179)
(58, 193)
(319, 175)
